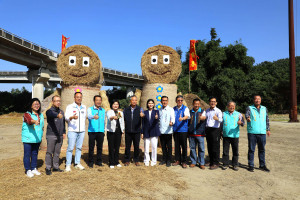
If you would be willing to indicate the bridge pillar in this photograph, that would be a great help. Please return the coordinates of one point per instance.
(39, 79)
(130, 92)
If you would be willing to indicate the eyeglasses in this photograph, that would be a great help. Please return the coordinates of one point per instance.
(179, 100)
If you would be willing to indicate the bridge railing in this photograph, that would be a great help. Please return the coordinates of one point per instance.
(26, 43)
(120, 73)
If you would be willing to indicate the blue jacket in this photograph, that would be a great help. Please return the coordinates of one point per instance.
(196, 126)
(150, 127)
(96, 125)
(33, 133)
(183, 125)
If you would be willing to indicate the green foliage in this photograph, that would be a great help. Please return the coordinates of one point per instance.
(228, 73)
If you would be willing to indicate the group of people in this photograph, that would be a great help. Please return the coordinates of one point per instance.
(150, 125)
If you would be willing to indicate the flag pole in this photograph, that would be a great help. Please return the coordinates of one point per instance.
(189, 80)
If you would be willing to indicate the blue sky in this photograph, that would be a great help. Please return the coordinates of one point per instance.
(120, 31)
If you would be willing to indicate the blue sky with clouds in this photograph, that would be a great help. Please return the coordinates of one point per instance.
(120, 31)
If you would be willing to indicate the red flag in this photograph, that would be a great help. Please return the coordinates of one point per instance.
(64, 42)
(193, 56)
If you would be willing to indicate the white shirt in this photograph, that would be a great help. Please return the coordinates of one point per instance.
(76, 125)
(167, 115)
(150, 111)
(210, 113)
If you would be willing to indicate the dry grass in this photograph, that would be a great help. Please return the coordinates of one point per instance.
(188, 98)
(96, 183)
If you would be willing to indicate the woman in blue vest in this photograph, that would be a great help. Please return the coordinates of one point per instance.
(180, 128)
(32, 133)
(150, 132)
(231, 133)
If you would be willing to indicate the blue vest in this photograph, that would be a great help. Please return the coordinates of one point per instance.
(196, 126)
(33, 133)
(183, 125)
(258, 123)
(97, 125)
(230, 124)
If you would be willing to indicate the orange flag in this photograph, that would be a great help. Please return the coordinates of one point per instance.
(64, 42)
(193, 56)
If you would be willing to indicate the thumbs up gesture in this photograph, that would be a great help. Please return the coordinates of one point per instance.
(37, 122)
(156, 116)
(180, 118)
(215, 117)
(171, 123)
(60, 115)
(96, 116)
(75, 116)
(240, 121)
(142, 114)
(248, 119)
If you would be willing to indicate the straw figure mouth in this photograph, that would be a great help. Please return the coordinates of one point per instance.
(78, 75)
(161, 64)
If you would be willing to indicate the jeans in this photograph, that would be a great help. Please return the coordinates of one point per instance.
(114, 141)
(54, 144)
(99, 138)
(213, 145)
(180, 140)
(201, 150)
(260, 140)
(30, 155)
(166, 145)
(135, 139)
(74, 138)
(235, 150)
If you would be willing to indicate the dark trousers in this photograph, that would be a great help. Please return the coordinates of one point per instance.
(166, 145)
(180, 139)
(213, 145)
(129, 139)
(114, 141)
(30, 155)
(260, 140)
(54, 144)
(98, 137)
(234, 142)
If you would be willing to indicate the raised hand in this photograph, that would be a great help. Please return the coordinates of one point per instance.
(156, 116)
(142, 114)
(37, 122)
(171, 123)
(75, 116)
(248, 119)
(240, 121)
(180, 118)
(59, 116)
(96, 116)
(215, 117)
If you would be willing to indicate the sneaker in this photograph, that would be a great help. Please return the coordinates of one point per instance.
(264, 168)
(111, 166)
(68, 168)
(36, 172)
(235, 168)
(251, 169)
(224, 167)
(29, 174)
(147, 164)
(119, 165)
(79, 166)
(48, 171)
(153, 164)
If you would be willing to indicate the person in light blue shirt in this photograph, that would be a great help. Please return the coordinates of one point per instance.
(96, 117)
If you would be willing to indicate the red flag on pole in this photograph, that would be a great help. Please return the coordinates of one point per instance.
(193, 56)
(64, 42)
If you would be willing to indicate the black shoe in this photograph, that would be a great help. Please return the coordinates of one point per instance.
(48, 172)
(57, 170)
(251, 169)
(91, 165)
(99, 164)
(224, 167)
(264, 168)
(168, 164)
(235, 168)
(162, 163)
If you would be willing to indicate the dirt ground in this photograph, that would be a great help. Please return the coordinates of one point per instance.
(159, 182)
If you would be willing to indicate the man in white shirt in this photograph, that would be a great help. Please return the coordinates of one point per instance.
(166, 121)
(213, 132)
(75, 116)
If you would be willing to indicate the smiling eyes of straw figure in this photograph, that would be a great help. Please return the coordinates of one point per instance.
(166, 59)
(85, 61)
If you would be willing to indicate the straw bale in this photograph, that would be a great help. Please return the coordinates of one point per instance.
(105, 102)
(79, 74)
(161, 72)
(189, 100)
(150, 92)
(138, 94)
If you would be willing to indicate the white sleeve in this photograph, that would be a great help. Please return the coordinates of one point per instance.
(187, 113)
(204, 113)
(172, 116)
(68, 113)
(109, 114)
(220, 116)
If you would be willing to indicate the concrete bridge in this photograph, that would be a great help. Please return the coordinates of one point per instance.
(41, 64)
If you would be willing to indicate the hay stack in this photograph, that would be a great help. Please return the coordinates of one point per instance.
(161, 64)
(150, 92)
(105, 102)
(189, 100)
(138, 94)
(79, 65)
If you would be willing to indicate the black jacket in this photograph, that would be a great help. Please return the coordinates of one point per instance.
(55, 125)
(132, 122)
